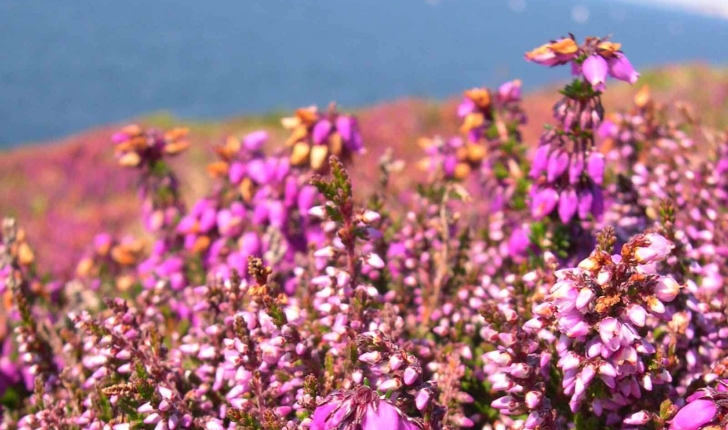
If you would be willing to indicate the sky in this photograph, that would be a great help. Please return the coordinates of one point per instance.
(715, 8)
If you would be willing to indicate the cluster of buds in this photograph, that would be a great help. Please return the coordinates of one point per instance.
(234, 156)
(137, 147)
(451, 158)
(594, 59)
(476, 111)
(569, 176)
(111, 260)
(623, 134)
(392, 368)
(520, 364)
(266, 355)
(567, 168)
(599, 309)
(268, 194)
(114, 347)
(316, 136)
(479, 111)
(159, 187)
(250, 212)
(34, 350)
(395, 371)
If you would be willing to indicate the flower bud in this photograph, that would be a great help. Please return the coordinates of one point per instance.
(410, 376)
(533, 399)
(370, 357)
(317, 211)
(325, 252)
(666, 289)
(657, 250)
(374, 260)
(370, 217)
(423, 399)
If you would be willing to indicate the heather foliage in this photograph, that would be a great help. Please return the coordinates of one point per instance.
(574, 283)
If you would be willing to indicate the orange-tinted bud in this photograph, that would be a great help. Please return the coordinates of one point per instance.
(479, 96)
(472, 121)
(218, 169)
(565, 46)
(246, 189)
(462, 170)
(608, 49)
(319, 153)
(476, 153)
(300, 153)
(130, 159)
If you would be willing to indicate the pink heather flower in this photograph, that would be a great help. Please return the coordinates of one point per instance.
(637, 315)
(510, 91)
(533, 399)
(557, 164)
(576, 168)
(584, 298)
(255, 140)
(345, 125)
(410, 376)
(544, 202)
(423, 399)
(371, 357)
(236, 172)
(608, 129)
(694, 415)
(666, 289)
(595, 70)
(385, 416)
(465, 107)
(259, 171)
(620, 68)
(637, 418)
(586, 200)
(519, 243)
(595, 167)
(504, 403)
(321, 131)
(609, 332)
(657, 250)
(540, 161)
(306, 198)
(568, 203)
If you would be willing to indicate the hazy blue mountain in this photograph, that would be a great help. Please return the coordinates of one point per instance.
(68, 65)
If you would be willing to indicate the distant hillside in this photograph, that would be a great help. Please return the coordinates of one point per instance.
(65, 191)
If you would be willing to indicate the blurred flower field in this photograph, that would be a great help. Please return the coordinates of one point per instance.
(501, 260)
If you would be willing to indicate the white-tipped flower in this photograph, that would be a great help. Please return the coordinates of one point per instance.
(370, 357)
(667, 289)
(370, 217)
(165, 392)
(374, 260)
(317, 211)
(325, 252)
(145, 408)
(657, 250)
(390, 384)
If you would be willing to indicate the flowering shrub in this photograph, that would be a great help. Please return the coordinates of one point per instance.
(577, 283)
